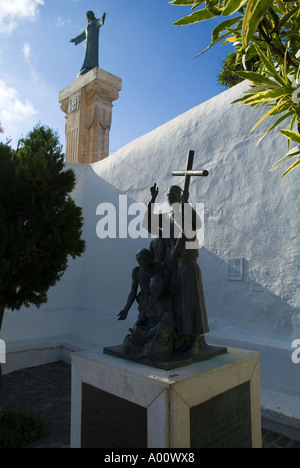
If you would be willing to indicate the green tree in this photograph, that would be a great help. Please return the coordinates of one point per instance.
(228, 76)
(41, 225)
(271, 30)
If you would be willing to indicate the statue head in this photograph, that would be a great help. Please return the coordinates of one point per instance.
(90, 16)
(174, 194)
(144, 258)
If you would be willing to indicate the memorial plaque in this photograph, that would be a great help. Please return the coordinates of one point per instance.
(108, 421)
(74, 104)
(223, 421)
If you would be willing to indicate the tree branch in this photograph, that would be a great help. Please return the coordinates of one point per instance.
(1, 316)
(269, 41)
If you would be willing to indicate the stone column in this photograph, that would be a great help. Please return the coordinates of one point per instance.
(88, 104)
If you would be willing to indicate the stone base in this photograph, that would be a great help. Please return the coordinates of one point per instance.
(185, 359)
(122, 404)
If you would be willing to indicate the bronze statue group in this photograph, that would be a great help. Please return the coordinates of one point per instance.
(167, 285)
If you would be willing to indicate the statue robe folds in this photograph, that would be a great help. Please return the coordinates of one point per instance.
(190, 310)
(186, 278)
(91, 34)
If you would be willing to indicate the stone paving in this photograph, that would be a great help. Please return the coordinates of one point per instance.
(43, 390)
(46, 390)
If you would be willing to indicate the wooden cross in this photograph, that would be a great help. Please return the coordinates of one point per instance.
(188, 173)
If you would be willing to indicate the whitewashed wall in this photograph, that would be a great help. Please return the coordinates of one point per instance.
(249, 213)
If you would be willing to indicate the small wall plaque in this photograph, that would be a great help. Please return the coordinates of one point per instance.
(235, 270)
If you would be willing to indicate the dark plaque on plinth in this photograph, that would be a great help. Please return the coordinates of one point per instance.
(223, 421)
(108, 421)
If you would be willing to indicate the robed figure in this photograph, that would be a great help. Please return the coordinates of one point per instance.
(172, 319)
(91, 35)
(185, 279)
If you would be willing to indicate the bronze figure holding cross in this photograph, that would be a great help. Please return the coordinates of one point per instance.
(186, 277)
(172, 319)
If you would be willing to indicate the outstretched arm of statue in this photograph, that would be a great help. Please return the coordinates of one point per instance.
(102, 20)
(132, 296)
(154, 193)
(79, 38)
(151, 221)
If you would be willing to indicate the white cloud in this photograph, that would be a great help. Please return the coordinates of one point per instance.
(60, 22)
(17, 115)
(12, 108)
(12, 12)
(26, 51)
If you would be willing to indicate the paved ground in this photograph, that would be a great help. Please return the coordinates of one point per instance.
(46, 390)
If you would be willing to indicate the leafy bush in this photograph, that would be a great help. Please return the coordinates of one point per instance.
(17, 430)
(41, 225)
(228, 76)
(271, 30)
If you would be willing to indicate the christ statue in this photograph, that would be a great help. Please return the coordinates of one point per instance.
(91, 35)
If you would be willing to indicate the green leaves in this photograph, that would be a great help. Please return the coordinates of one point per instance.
(290, 169)
(195, 17)
(232, 6)
(295, 152)
(217, 35)
(293, 136)
(292, 154)
(185, 2)
(269, 66)
(271, 30)
(256, 10)
(40, 223)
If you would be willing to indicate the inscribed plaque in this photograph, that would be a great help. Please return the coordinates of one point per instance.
(108, 421)
(223, 421)
(74, 104)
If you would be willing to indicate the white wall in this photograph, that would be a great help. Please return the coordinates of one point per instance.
(249, 213)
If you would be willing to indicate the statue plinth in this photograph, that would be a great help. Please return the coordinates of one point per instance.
(88, 104)
(120, 404)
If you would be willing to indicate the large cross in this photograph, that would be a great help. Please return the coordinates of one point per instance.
(188, 173)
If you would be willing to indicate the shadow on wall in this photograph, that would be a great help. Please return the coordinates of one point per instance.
(107, 262)
(245, 309)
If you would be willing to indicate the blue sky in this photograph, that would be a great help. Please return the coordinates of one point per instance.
(138, 43)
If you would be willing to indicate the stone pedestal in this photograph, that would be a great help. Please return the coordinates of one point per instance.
(87, 104)
(120, 404)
